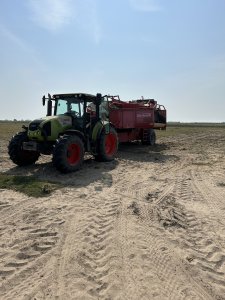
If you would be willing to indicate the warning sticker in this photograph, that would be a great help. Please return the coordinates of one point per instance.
(65, 121)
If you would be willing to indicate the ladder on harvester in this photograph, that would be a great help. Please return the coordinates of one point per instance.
(145, 136)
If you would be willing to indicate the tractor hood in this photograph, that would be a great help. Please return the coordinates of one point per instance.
(49, 128)
(62, 119)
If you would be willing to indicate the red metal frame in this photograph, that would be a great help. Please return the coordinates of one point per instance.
(131, 118)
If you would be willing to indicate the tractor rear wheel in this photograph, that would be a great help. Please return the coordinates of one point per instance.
(150, 138)
(16, 153)
(68, 153)
(108, 145)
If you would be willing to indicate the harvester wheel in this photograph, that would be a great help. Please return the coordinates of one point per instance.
(150, 138)
(108, 145)
(68, 153)
(16, 153)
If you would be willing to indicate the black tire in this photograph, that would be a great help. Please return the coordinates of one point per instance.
(68, 153)
(108, 145)
(16, 153)
(150, 138)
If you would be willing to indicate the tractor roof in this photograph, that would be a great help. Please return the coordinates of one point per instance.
(76, 96)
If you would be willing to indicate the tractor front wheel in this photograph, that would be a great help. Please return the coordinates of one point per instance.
(108, 145)
(68, 153)
(16, 152)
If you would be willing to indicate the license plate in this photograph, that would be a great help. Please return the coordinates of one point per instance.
(30, 146)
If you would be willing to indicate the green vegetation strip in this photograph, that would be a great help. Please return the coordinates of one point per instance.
(176, 129)
(28, 185)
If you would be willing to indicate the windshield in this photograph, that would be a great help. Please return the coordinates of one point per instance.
(63, 106)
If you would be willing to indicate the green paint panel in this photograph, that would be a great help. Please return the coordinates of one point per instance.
(97, 130)
(58, 125)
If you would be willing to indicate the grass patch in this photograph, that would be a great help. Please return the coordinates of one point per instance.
(201, 163)
(189, 129)
(28, 185)
(10, 128)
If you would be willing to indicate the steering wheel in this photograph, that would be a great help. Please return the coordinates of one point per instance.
(73, 112)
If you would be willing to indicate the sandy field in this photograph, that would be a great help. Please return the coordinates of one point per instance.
(149, 225)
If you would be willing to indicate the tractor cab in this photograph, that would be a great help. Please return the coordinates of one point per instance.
(83, 109)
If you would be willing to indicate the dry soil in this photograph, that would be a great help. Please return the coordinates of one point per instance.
(149, 225)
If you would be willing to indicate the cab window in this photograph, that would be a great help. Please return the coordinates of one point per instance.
(61, 107)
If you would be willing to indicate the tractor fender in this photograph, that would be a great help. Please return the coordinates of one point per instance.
(75, 132)
(97, 131)
(99, 126)
(96, 134)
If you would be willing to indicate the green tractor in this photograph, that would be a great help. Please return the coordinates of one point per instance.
(75, 124)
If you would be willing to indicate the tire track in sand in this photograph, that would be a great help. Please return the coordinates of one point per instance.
(166, 278)
(200, 247)
(28, 250)
(88, 261)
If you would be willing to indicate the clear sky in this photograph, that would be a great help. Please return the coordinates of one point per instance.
(169, 50)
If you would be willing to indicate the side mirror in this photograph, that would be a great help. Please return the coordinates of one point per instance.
(43, 100)
(98, 99)
(49, 107)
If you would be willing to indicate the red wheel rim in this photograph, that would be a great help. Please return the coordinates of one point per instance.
(110, 144)
(73, 154)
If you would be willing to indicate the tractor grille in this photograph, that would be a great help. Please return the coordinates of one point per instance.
(34, 125)
(46, 129)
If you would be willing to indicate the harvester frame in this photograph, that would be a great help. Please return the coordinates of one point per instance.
(137, 119)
